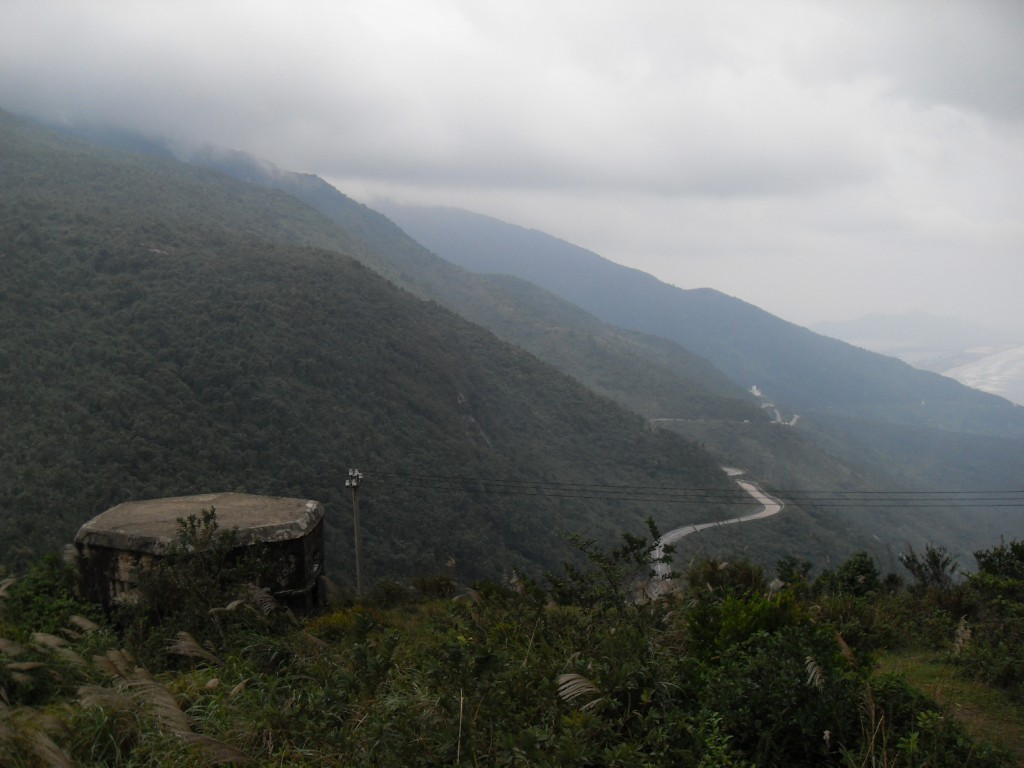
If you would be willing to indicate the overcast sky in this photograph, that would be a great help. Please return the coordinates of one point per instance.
(822, 160)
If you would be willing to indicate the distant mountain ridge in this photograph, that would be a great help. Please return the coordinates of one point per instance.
(1000, 372)
(888, 333)
(658, 379)
(169, 330)
(988, 360)
(817, 455)
(804, 370)
(678, 383)
(871, 412)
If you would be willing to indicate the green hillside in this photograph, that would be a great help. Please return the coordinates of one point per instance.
(650, 375)
(660, 380)
(866, 421)
(171, 331)
(725, 669)
(792, 365)
(167, 330)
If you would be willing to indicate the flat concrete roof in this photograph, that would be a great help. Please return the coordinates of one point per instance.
(151, 526)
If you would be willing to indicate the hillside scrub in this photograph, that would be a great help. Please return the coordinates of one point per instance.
(992, 640)
(721, 670)
(170, 331)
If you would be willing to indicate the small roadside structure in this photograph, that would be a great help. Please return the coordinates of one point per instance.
(115, 545)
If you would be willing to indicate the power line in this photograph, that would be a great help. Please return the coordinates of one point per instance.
(914, 499)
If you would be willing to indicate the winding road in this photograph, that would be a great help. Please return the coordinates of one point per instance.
(769, 506)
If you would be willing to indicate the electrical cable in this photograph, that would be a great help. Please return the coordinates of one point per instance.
(913, 499)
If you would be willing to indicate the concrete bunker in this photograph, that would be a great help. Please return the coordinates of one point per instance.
(115, 545)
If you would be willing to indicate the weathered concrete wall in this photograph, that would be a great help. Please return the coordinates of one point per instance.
(114, 546)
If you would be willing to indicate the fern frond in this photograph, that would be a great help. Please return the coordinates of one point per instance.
(572, 686)
(261, 599)
(314, 641)
(186, 645)
(161, 704)
(844, 649)
(96, 696)
(105, 664)
(84, 624)
(815, 674)
(962, 637)
(116, 663)
(139, 692)
(46, 640)
(143, 674)
(217, 752)
(5, 585)
(25, 725)
(10, 648)
(44, 748)
(70, 656)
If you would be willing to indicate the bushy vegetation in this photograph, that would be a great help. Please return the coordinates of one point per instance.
(991, 641)
(582, 668)
(169, 331)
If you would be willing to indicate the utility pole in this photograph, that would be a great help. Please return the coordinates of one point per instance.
(354, 478)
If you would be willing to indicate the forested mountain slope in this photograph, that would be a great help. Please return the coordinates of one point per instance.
(660, 380)
(170, 331)
(653, 377)
(805, 371)
(868, 412)
(650, 374)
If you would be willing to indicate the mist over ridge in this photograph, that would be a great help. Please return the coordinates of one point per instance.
(979, 357)
(661, 380)
(749, 148)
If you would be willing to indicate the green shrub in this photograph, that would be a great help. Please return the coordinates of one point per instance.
(720, 578)
(43, 599)
(204, 586)
(857, 577)
(779, 691)
(902, 726)
(995, 602)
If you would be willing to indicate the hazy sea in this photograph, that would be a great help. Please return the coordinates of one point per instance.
(1001, 373)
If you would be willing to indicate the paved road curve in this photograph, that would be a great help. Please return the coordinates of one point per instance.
(769, 506)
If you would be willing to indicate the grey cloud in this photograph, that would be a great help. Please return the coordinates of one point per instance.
(964, 54)
(738, 141)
